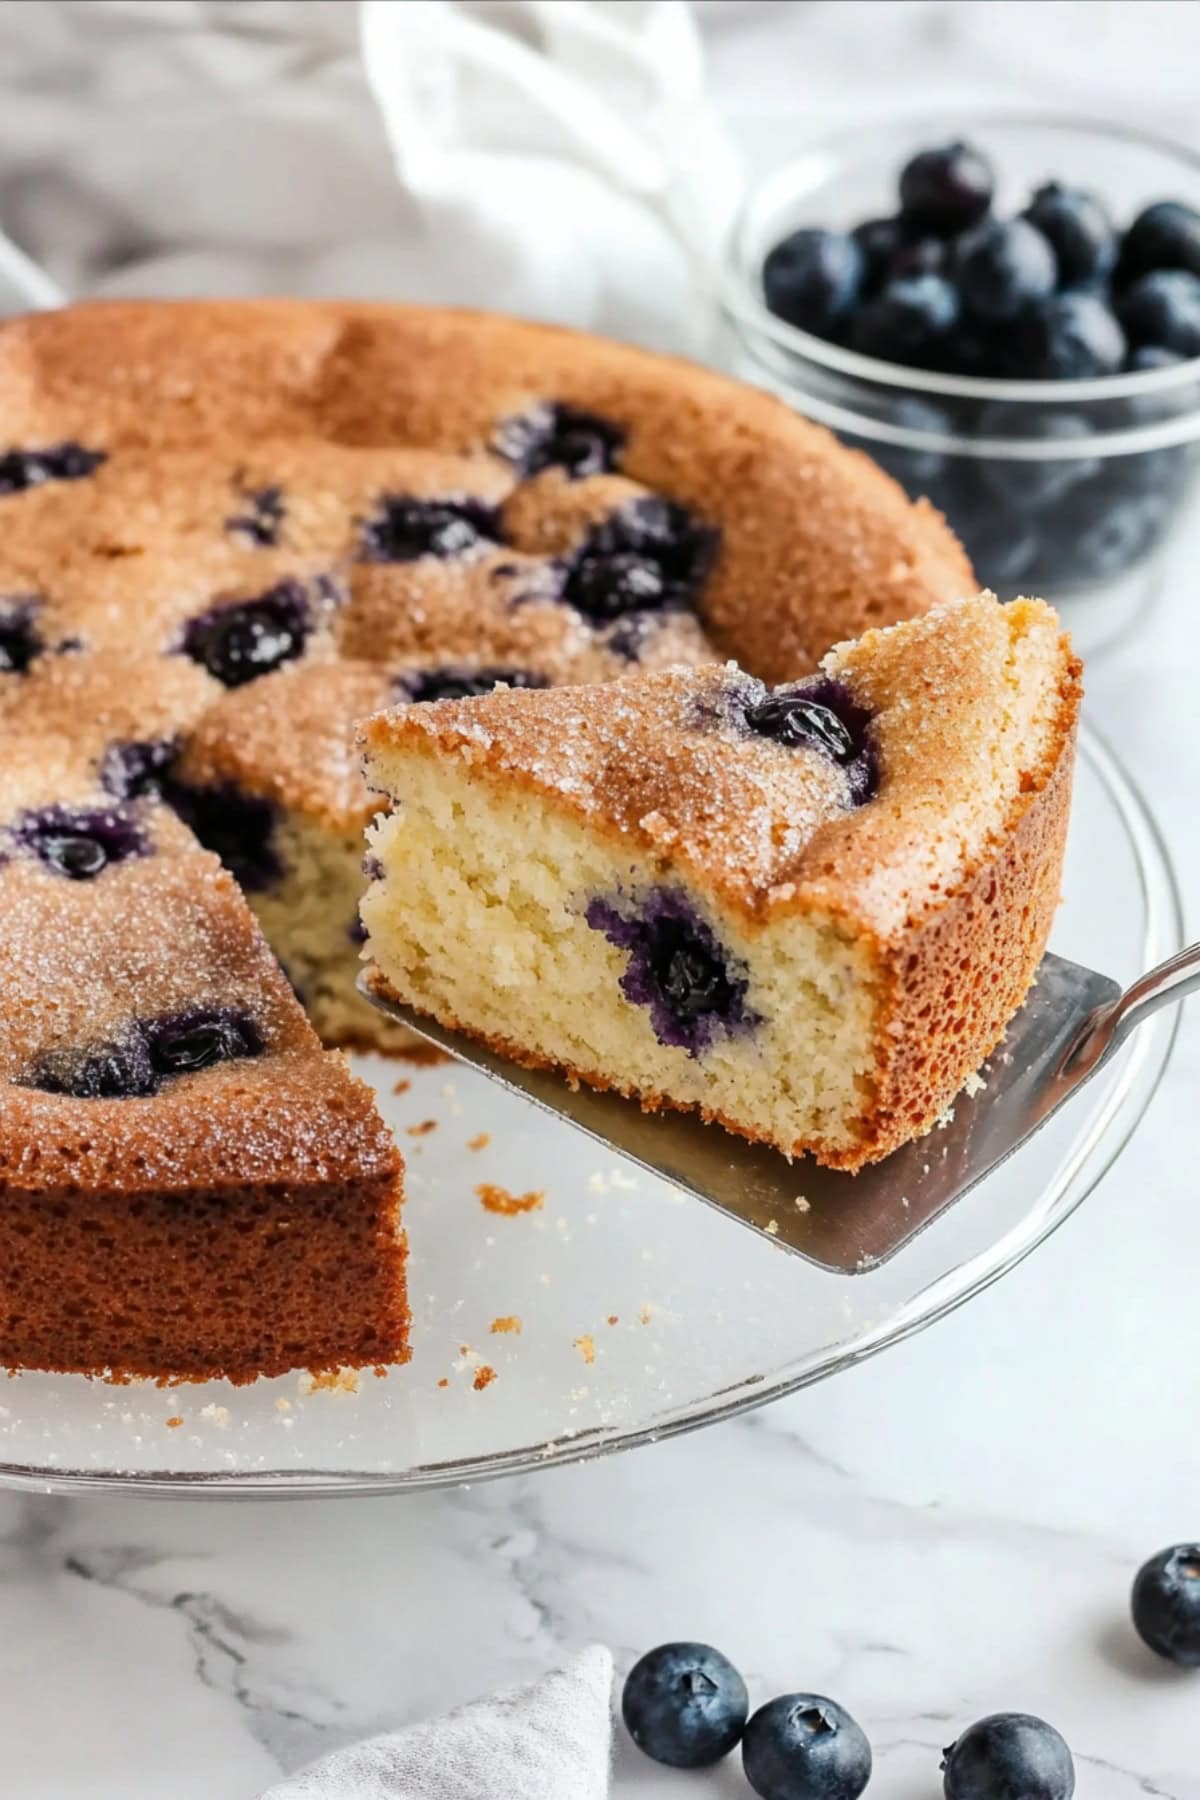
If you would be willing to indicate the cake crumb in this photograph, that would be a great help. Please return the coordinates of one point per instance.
(480, 1141)
(646, 1313)
(330, 1381)
(422, 1056)
(423, 1129)
(586, 1346)
(507, 1323)
(174, 1422)
(801, 1204)
(974, 1084)
(402, 1086)
(499, 1200)
(772, 1227)
(283, 1405)
(216, 1415)
(614, 1319)
(444, 1382)
(484, 1377)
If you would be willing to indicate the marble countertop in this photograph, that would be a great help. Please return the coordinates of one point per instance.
(947, 1531)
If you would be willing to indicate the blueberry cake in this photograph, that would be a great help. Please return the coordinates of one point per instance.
(230, 531)
(808, 910)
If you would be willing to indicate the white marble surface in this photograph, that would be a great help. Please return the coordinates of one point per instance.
(947, 1531)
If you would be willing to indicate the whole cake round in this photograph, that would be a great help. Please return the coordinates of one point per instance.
(230, 531)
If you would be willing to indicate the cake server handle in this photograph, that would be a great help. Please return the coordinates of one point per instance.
(1110, 1025)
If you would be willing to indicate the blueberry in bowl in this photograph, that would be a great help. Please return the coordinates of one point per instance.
(1017, 339)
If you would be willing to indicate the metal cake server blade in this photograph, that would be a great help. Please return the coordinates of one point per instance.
(1072, 1025)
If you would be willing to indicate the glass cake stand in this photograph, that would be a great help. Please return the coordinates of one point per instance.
(612, 1312)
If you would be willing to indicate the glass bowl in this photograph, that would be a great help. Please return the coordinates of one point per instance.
(1081, 514)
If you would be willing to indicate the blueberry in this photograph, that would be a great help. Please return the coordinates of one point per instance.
(813, 278)
(184, 1043)
(694, 989)
(243, 639)
(19, 640)
(555, 435)
(119, 1070)
(1009, 1756)
(263, 517)
(820, 714)
(1002, 547)
(921, 256)
(1069, 337)
(1035, 484)
(648, 555)
(1097, 535)
(685, 1705)
(140, 766)
(805, 1747)
(1163, 236)
(919, 468)
(457, 683)
(947, 189)
(1004, 268)
(1163, 308)
(1166, 1604)
(910, 321)
(880, 241)
(21, 469)
(402, 528)
(1078, 229)
(81, 842)
(237, 827)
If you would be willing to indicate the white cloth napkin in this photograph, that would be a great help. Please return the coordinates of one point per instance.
(548, 1741)
(546, 157)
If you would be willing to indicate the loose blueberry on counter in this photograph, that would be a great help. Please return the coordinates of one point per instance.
(80, 842)
(947, 189)
(910, 321)
(237, 827)
(21, 469)
(648, 555)
(1009, 1756)
(243, 639)
(262, 518)
(1078, 230)
(1166, 1604)
(114, 1071)
(684, 1705)
(130, 770)
(821, 714)
(1163, 308)
(805, 1747)
(1004, 268)
(555, 435)
(1034, 484)
(812, 279)
(1069, 337)
(1163, 236)
(455, 683)
(677, 968)
(403, 528)
(186, 1042)
(19, 640)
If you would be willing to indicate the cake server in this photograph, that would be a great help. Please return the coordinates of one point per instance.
(1072, 1025)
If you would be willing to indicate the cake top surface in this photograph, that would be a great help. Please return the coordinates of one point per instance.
(865, 790)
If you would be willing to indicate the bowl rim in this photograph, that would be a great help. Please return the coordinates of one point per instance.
(740, 291)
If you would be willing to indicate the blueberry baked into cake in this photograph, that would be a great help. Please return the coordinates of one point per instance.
(808, 911)
(228, 532)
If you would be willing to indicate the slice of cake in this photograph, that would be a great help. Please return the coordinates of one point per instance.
(807, 912)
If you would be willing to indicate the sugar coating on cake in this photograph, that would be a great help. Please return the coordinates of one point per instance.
(808, 912)
(229, 531)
